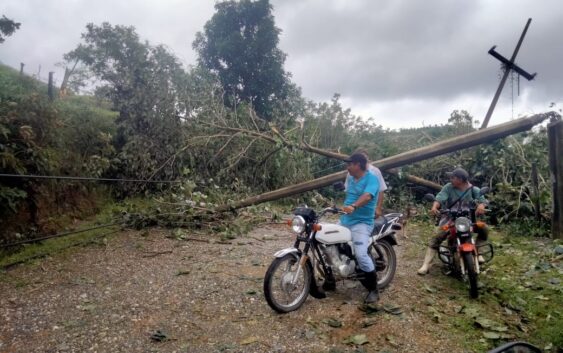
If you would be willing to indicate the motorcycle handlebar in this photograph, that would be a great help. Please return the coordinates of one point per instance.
(334, 210)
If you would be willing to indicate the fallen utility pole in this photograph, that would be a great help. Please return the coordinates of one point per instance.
(419, 154)
(411, 178)
(417, 180)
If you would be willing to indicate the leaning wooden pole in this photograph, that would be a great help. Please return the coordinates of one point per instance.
(419, 154)
(555, 137)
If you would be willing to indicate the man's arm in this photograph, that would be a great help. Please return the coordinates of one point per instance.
(379, 209)
(441, 197)
(364, 199)
(481, 200)
(382, 188)
(435, 207)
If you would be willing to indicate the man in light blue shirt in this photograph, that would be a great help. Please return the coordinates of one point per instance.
(359, 206)
(382, 185)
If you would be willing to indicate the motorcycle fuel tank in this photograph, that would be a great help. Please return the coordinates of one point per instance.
(333, 234)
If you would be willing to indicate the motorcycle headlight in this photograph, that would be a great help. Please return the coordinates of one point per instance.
(462, 224)
(298, 224)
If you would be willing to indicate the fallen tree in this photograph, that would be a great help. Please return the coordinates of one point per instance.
(278, 137)
(419, 154)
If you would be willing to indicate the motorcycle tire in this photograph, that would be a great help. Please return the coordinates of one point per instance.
(270, 280)
(469, 263)
(384, 277)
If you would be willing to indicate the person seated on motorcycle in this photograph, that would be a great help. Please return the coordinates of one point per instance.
(458, 187)
(359, 206)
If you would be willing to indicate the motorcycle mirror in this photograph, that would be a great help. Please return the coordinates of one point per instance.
(523, 347)
(338, 186)
(484, 190)
(429, 197)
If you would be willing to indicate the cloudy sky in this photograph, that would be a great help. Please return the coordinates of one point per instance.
(405, 63)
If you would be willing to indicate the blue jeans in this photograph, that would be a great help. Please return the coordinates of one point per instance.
(360, 238)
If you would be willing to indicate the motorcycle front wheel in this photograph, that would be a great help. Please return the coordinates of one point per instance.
(383, 251)
(469, 263)
(286, 286)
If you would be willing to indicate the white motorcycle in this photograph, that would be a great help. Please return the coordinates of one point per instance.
(326, 257)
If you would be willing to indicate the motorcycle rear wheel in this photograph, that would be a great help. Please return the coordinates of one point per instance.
(281, 294)
(469, 263)
(384, 277)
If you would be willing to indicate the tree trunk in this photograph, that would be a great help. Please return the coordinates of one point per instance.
(63, 92)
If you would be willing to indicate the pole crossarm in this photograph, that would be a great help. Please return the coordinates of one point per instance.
(509, 65)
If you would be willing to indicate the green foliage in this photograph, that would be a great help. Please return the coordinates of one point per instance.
(7, 28)
(505, 165)
(192, 205)
(146, 85)
(89, 129)
(239, 43)
(68, 137)
(26, 124)
(27, 252)
(520, 295)
(10, 197)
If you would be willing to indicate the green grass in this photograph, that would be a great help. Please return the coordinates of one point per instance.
(516, 293)
(14, 85)
(108, 214)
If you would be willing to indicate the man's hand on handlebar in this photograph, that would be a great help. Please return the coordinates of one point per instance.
(480, 210)
(333, 210)
(434, 211)
(348, 209)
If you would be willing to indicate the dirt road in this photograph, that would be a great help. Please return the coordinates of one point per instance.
(203, 297)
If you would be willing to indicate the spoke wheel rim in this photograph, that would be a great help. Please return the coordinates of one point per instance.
(284, 292)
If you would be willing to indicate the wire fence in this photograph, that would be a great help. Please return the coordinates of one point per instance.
(47, 253)
(60, 177)
(34, 240)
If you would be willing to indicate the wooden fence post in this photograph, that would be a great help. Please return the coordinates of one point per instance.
(555, 136)
(21, 68)
(50, 90)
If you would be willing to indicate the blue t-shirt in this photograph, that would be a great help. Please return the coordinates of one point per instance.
(365, 214)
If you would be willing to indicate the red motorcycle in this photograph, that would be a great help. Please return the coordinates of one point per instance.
(461, 255)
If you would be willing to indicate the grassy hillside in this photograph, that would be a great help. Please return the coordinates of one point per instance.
(70, 136)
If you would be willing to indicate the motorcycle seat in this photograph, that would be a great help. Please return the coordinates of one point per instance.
(379, 223)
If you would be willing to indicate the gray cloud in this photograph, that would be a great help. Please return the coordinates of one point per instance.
(417, 49)
(51, 28)
(421, 55)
